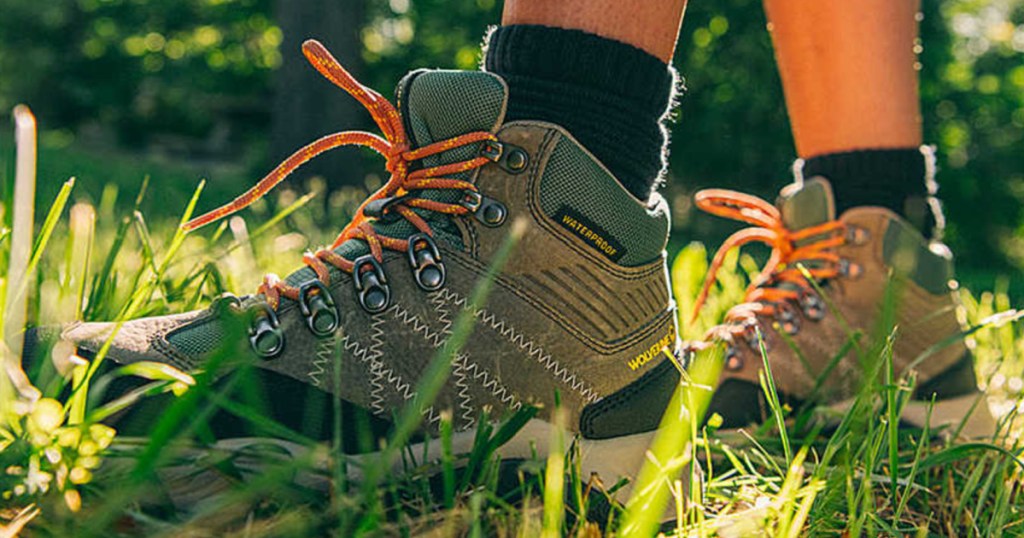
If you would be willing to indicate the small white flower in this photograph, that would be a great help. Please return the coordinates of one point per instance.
(37, 480)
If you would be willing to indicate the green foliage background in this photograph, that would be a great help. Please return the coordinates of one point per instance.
(191, 80)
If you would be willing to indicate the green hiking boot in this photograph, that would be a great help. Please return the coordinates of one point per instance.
(810, 339)
(581, 307)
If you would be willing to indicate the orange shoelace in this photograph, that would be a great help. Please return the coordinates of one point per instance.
(403, 183)
(766, 295)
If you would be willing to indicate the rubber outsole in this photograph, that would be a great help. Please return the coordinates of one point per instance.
(967, 416)
(189, 484)
(608, 459)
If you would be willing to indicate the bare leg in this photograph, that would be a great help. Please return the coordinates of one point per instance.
(646, 24)
(848, 72)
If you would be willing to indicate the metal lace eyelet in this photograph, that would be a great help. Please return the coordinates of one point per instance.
(471, 200)
(733, 362)
(492, 149)
(426, 264)
(850, 269)
(226, 302)
(265, 334)
(318, 308)
(812, 305)
(786, 316)
(488, 211)
(493, 213)
(750, 331)
(516, 160)
(855, 235)
(371, 285)
(509, 158)
(380, 208)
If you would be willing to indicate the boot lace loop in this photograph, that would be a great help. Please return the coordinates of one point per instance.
(782, 280)
(404, 182)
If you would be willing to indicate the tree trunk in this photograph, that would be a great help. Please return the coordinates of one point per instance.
(306, 105)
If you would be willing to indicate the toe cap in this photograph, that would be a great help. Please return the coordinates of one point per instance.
(137, 340)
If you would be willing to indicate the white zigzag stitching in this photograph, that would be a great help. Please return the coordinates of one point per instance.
(436, 339)
(459, 374)
(532, 349)
(381, 373)
(441, 308)
(373, 355)
(486, 381)
(326, 349)
(465, 367)
(459, 366)
(462, 367)
(324, 352)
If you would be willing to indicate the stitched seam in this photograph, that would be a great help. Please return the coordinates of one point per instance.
(531, 348)
(441, 308)
(604, 348)
(323, 358)
(159, 342)
(435, 338)
(464, 400)
(165, 348)
(532, 193)
(376, 367)
(474, 247)
(378, 373)
(468, 368)
(499, 391)
(462, 366)
(384, 373)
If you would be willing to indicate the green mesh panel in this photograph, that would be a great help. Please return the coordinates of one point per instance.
(575, 180)
(443, 104)
(198, 339)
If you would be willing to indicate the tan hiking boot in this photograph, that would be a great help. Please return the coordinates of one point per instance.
(581, 308)
(814, 343)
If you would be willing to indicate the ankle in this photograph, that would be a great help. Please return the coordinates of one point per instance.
(899, 179)
(611, 96)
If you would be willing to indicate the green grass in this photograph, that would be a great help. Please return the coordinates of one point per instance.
(63, 473)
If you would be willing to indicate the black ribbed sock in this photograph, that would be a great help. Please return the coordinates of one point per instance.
(611, 96)
(890, 178)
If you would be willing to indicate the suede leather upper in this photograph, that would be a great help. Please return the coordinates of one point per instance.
(561, 316)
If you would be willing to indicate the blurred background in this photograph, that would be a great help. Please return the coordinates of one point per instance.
(179, 90)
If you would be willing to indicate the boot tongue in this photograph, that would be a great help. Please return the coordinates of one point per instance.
(803, 205)
(436, 105)
(807, 204)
